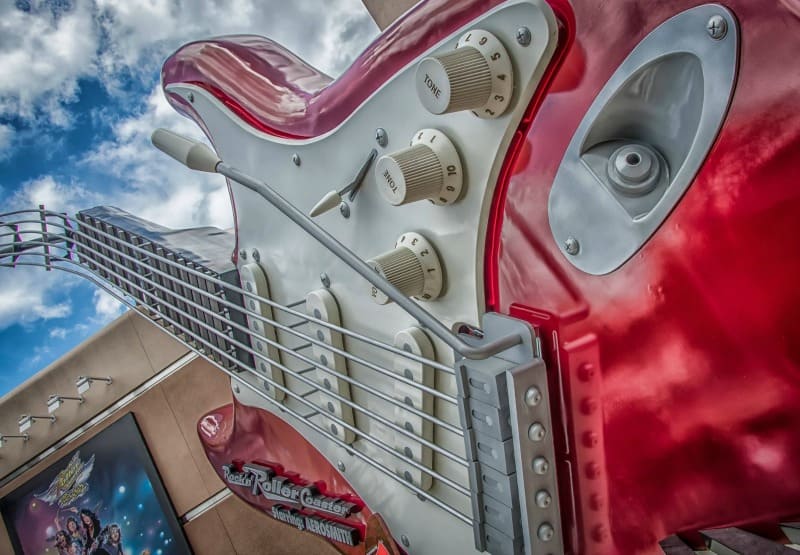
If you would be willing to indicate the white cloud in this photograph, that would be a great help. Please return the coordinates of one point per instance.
(43, 56)
(106, 307)
(6, 137)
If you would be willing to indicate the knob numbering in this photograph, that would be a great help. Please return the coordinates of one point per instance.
(429, 169)
(412, 266)
(476, 76)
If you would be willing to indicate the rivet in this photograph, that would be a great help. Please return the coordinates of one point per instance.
(540, 466)
(599, 533)
(296, 159)
(592, 470)
(340, 466)
(405, 541)
(256, 255)
(588, 405)
(595, 502)
(545, 532)
(536, 432)
(543, 499)
(572, 246)
(586, 372)
(344, 210)
(590, 439)
(326, 281)
(381, 137)
(523, 36)
(717, 27)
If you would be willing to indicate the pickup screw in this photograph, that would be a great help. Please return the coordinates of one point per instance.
(717, 27)
(405, 540)
(344, 210)
(326, 281)
(545, 532)
(256, 255)
(381, 137)
(296, 159)
(523, 36)
(572, 246)
(340, 466)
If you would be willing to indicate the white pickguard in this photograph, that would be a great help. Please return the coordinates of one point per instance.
(293, 260)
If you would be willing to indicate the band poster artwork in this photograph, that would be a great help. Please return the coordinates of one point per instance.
(104, 498)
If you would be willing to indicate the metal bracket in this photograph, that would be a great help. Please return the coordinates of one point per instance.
(508, 432)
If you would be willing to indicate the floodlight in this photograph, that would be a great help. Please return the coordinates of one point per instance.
(83, 383)
(54, 402)
(27, 420)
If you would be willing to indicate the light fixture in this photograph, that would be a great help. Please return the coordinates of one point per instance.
(27, 420)
(83, 383)
(54, 402)
(3, 438)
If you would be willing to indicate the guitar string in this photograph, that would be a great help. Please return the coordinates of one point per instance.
(319, 429)
(370, 414)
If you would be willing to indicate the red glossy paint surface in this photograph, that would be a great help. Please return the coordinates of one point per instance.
(680, 372)
(244, 434)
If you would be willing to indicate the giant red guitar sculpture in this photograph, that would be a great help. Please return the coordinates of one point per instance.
(592, 207)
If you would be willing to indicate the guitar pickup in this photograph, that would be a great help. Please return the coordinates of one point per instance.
(322, 305)
(414, 340)
(254, 280)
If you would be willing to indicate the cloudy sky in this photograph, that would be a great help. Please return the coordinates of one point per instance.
(79, 97)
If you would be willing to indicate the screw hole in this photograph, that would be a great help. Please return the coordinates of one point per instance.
(633, 159)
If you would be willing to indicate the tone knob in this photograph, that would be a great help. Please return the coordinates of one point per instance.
(412, 266)
(429, 169)
(476, 76)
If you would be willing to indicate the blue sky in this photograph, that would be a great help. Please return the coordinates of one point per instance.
(79, 96)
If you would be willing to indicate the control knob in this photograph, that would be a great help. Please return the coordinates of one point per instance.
(412, 266)
(428, 169)
(476, 76)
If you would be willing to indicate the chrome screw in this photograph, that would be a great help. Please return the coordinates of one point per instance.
(717, 27)
(326, 281)
(344, 210)
(523, 36)
(340, 466)
(296, 159)
(256, 255)
(404, 539)
(536, 432)
(572, 246)
(381, 137)
(545, 532)
(533, 396)
(243, 254)
(543, 499)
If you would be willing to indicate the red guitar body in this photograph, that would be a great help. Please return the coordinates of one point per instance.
(676, 377)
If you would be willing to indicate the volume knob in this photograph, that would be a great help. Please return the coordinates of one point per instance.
(429, 169)
(476, 76)
(412, 266)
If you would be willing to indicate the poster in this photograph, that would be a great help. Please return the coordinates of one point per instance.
(103, 498)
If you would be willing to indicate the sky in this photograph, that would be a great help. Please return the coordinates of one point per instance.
(79, 97)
